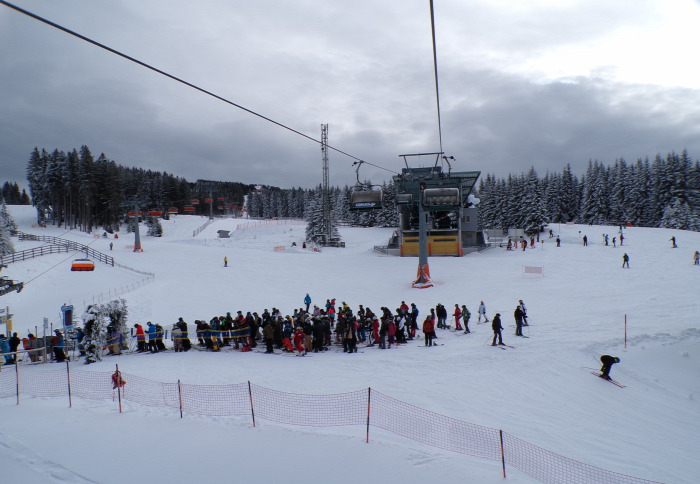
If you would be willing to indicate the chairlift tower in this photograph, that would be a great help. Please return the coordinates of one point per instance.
(432, 211)
(325, 196)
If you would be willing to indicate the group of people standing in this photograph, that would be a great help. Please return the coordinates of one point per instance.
(308, 329)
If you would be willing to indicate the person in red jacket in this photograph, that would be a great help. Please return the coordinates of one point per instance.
(299, 339)
(429, 330)
(140, 338)
(457, 315)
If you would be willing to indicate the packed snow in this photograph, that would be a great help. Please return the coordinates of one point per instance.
(541, 391)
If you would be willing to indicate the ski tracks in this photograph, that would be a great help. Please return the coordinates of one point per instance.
(17, 452)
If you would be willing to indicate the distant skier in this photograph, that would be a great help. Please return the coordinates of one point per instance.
(465, 317)
(429, 330)
(622, 239)
(225, 261)
(625, 261)
(482, 312)
(518, 315)
(696, 258)
(608, 361)
(673, 242)
(497, 328)
(458, 315)
(307, 301)
(558, 241)
(521, 304)
(585, 241)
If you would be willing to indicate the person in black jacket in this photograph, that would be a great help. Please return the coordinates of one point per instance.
(608, 361)
(518, 315)
(497, 328)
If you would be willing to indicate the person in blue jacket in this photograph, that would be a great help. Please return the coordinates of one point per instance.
(307, 301)
(5, 348)
(58, 344)
(152, 333)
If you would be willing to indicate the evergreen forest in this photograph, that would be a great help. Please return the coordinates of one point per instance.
(75, 190)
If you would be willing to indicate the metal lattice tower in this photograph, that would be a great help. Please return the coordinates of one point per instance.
(326, 196)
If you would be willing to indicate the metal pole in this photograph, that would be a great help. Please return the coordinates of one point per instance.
(179, 395)
(250, 395)
(119, 388)
(625, 331)
(17, 378)
(369, 399)
(137, 235)
(70, 396)
(503, 455)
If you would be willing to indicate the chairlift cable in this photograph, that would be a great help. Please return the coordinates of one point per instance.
(175, 78)
(435, 69)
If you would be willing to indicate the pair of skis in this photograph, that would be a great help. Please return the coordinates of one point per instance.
(600, 375)
(503, 346)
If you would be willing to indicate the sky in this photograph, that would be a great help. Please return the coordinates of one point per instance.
(540, 390)
(535, 84)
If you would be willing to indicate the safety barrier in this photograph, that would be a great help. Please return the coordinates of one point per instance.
(367, 408)
(89, 251)
(269, 223)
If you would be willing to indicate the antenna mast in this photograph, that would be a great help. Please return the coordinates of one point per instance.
(326, 196)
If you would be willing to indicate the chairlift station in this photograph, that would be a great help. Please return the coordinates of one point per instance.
(451, 220)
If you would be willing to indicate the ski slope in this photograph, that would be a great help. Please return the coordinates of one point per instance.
(540, 391)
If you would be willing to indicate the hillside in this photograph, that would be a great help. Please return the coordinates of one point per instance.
(540, 391)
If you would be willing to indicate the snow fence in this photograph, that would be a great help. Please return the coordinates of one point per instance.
(366, 408)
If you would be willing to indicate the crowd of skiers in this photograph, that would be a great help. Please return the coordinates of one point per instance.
(308, 329)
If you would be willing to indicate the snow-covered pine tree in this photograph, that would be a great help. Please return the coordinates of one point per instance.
(7, 229)
(117, 313)
(94, 333)
(677, 216)
(534, 213)
(155, 229)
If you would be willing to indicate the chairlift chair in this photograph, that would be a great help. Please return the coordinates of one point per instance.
(364, 196)
(82, 265)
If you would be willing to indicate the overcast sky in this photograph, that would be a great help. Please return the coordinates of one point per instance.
(522, 83)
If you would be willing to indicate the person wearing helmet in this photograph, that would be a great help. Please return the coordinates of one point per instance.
(608, 361)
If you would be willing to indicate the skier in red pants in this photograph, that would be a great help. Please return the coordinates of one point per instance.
(457, 315)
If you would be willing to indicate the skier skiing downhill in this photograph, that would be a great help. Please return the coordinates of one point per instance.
(608, 361)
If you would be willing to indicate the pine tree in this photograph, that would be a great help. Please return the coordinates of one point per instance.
(7, 228)
(94, 333)
(533, 209)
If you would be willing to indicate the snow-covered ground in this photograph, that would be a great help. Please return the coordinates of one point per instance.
(541, 391)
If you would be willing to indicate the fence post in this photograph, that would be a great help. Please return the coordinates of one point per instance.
(119, 387)
(503, 455)
(179, 395)
(250, 395)
(17, 378)
(70, 396)
(369, 399)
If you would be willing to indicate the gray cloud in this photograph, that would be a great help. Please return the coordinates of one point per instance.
(365, 69)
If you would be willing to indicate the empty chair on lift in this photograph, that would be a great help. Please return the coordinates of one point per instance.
(82, 265)
(365, 199)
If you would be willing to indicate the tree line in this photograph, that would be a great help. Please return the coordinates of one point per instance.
(664, 193)
(77, 191)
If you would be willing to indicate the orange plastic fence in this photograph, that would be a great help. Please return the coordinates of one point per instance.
(364, 407)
